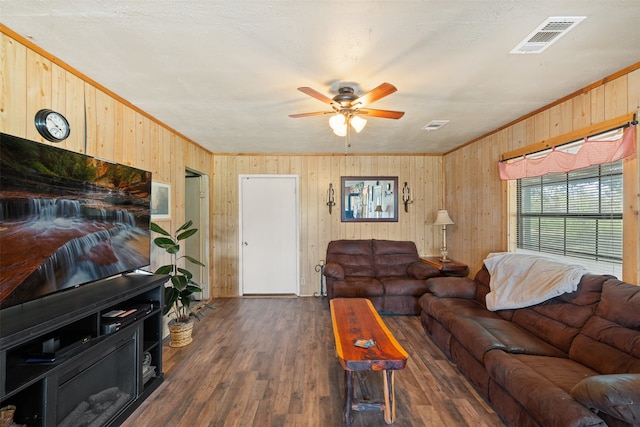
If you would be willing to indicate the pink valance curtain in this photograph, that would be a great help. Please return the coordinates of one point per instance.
(592, 152)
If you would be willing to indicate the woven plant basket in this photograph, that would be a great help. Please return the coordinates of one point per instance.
(6, 416)
(180, 333)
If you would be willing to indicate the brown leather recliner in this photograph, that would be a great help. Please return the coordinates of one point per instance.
(387, 272)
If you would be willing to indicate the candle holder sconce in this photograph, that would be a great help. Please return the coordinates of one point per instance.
(330, 198)
(406, 197)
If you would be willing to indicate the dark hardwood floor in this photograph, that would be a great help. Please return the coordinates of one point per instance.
(271, 362)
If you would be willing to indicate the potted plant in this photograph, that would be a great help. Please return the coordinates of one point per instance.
(179, 294)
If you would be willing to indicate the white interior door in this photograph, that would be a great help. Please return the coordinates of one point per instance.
(269, 230)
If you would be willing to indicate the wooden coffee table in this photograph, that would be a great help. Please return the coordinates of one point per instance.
(354, 319)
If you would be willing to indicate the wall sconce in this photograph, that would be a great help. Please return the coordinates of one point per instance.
(444, 219)
(406, 197)
(330, 198)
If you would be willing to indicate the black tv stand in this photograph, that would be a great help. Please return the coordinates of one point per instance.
(62, 345)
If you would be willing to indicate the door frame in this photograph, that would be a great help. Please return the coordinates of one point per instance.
(203, 229)
(296, 179)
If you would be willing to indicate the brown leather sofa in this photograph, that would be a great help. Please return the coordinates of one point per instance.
(573, 360)
(387, 272)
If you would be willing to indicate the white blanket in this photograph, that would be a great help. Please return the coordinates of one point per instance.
(521, 280)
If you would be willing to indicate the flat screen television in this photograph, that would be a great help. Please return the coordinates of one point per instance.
(67, 219)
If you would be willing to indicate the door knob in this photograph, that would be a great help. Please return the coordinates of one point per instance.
(246, 244)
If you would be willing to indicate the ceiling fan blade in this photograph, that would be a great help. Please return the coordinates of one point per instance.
(316, 113)
(317, 95)
(385, 114)
(379, 92)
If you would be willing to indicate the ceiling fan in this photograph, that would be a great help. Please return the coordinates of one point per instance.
(347, 107)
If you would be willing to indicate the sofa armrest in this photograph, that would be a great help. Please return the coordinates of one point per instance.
(334, 271)
(617, 395)
(421, 271)
(452, 287)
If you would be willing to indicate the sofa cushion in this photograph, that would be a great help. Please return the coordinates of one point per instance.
(481, 334)
(482, 279)
(403, 285)
(421, 271)
(392, 258)
(609, 342)
(452, 287)
(541, 384)
(354, 256)
(445, 310)
(334, 270)
(559, 319)
(620, 303)
(616, 395)
(360, 287)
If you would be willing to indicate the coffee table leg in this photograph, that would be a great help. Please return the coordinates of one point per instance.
(389, 398)
(348, 396)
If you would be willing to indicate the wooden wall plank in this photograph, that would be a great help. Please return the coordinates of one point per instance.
(13, 86)
(91, 142)
(631, 184)
(581, 116)
(105, 129)
(39, 89)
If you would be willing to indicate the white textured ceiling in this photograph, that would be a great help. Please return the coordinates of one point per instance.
(225, 73)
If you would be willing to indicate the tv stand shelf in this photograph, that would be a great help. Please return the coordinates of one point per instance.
(57, 345)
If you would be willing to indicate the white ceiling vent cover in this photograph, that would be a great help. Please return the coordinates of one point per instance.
(547, 33)
(435, 125)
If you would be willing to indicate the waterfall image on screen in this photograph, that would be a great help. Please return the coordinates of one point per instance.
(67, 219)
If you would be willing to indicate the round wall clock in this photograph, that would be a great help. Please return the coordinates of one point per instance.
(52, 125)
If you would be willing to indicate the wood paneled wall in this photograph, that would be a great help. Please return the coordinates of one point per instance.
(478, 199)
(422, 173)
(102, 124)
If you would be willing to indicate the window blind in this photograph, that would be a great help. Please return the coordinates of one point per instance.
(576, 214)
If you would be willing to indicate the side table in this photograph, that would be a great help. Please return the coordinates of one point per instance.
(448, 268)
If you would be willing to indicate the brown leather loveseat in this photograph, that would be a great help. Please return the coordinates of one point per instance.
(573, 360)
(387, 272)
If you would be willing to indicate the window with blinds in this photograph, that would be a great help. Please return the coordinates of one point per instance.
(574, 215)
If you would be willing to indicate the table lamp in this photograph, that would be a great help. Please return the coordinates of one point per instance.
(443, 219)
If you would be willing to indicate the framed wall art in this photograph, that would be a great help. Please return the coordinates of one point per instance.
(369, 198)
(160, 200)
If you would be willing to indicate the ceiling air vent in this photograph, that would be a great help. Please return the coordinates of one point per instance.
(435, 124)
(547, 33)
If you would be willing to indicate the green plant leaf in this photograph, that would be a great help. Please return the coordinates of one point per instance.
(172, 249)
(186, 273)
(185, 226)
(164, 242)
(187, 234)
(157, 229)
(195, 261)
(165, 269)
(179, 282)
(191, 288)
(170, 298)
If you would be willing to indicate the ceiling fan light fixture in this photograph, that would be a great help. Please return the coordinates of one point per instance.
(340, 131)
(358, 123)
(337, 121)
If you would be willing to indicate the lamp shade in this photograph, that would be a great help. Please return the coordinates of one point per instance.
(357, 123)
(443, 218)
(337, 121)
(340, 131)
